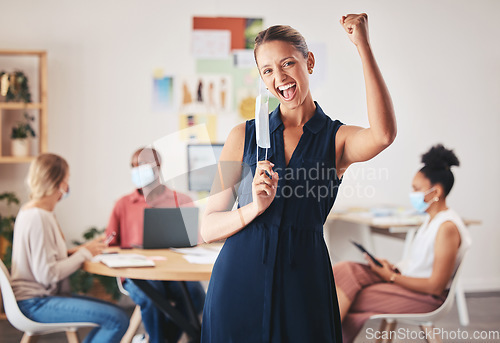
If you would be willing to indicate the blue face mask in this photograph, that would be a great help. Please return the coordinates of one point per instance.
(143, 175)
(64, 194)
(418, 202)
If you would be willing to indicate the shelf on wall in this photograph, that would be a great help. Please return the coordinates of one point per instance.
(40, 107)
(20, 106)
(14, 159)
(22, 52)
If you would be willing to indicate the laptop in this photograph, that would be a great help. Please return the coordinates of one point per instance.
(170, 227)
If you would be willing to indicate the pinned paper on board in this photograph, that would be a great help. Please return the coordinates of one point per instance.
(201, 128)
(211, 44)
(163, 91)
(205, 93)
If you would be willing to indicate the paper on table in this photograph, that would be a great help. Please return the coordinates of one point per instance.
(197, 250)
(124, 260)
(199, 255)
(203, 259)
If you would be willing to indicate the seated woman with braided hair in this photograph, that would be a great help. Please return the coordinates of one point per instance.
(419, 283)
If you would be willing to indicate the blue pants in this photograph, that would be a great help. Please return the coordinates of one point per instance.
(158, 326)
(113, 321)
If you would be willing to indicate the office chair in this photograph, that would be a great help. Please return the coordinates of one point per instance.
(31, 328)
(424, 320)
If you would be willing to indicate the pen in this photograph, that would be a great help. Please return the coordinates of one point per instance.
(110, 238)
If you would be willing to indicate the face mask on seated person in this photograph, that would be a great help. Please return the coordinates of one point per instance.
(64, 194)
(143, 175)
(418, 202)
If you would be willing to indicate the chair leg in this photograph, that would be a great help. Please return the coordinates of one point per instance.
(463, 313)
(72, 337)
(432, 337)
(135, 322)
(386, 329)
(28, 339)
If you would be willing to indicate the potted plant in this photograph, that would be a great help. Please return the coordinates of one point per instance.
(7, 228)
(20, 136)
(99, 286)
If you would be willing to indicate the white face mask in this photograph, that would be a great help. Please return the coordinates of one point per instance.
(64, 194)
(143, 175)
(418, 202)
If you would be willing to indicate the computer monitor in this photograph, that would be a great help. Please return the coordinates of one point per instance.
(202, 165)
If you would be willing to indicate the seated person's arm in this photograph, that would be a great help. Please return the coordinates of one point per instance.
(47, 268)
(445, 253)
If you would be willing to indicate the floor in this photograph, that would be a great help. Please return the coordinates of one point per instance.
(484, 314)
(484, 311)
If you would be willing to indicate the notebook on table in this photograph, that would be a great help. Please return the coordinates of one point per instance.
(124, 260)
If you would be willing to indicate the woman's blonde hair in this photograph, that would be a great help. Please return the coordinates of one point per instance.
(45, 175)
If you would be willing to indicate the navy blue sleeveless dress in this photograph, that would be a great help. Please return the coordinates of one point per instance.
(273, 281)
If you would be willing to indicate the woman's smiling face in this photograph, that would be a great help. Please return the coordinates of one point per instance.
(284, 71)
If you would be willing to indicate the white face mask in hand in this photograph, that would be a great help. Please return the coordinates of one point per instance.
(262, 120)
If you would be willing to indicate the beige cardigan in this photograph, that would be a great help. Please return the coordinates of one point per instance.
(40, 262)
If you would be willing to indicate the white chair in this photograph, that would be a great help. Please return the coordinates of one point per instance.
(31, 328)
(135, 319)
(424, 320)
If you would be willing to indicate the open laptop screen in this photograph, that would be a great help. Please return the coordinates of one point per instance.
(170, 227)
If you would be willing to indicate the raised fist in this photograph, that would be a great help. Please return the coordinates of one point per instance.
(356, 26)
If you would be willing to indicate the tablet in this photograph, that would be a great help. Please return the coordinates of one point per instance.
(362, 248)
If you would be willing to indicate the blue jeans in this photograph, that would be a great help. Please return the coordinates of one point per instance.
(113, 321)
(158, 326)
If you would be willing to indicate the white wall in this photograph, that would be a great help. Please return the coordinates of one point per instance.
(439, 58)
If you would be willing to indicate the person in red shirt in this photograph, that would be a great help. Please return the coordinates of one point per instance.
(126, 223)
(127, 218)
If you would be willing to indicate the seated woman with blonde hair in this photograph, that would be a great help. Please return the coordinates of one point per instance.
(419, 283)
(41, 263)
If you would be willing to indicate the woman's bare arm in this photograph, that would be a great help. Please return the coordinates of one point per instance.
(445, 253)
(357, 144)
(219, 221)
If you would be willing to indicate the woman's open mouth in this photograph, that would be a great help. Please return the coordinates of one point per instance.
(288, 91)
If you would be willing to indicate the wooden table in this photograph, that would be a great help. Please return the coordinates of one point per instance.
(173, 268)
(401, 226)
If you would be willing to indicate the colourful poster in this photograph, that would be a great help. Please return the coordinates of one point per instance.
(240, 66)
(162, 95)
(243, 30)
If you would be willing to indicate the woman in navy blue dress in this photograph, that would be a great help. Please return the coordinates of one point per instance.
(273, 281)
